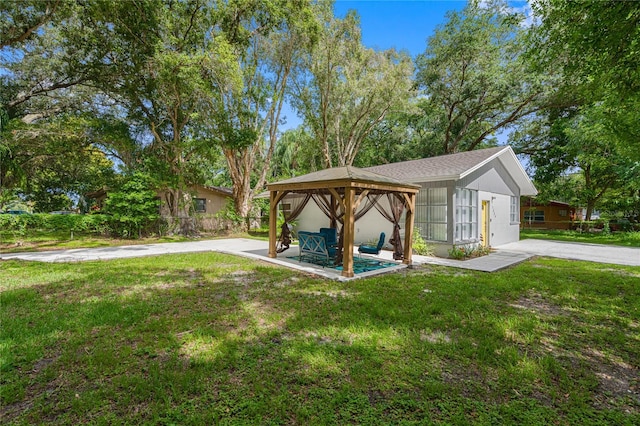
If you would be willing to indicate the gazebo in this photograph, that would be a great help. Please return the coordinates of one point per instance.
(344, 194)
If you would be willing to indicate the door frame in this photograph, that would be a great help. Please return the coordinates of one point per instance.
(485, 230)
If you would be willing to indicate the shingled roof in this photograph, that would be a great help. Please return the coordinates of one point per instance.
(457, 166)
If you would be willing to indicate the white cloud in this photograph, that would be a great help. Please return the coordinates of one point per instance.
(523, 8)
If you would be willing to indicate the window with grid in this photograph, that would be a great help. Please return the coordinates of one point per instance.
(534, 215)
(466, 214)
(200, 205)
(431, 213)
(514, 213)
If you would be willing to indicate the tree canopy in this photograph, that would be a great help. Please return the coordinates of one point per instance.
(187, 91)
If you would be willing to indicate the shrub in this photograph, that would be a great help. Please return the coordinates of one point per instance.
(26, 223)
(230, 215)
(457, 252)
(466, 251)
(419, 245)
(134, 209)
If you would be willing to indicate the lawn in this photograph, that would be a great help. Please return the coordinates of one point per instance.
(627, 239)
(217, 339)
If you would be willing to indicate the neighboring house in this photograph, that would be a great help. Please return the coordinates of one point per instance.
(466, 198)
(550, 215)
(207, 200)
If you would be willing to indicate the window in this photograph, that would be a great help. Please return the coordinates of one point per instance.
(562, 213)
(431, 213)
(285, 208)
(514, 213)
(466, 214)
(200, 205)
(534, 216)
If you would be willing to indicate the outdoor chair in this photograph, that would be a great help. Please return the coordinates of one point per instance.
(367, 249)
(330, 236)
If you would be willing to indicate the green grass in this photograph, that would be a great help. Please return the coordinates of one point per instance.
(217, 339)
(627, 239)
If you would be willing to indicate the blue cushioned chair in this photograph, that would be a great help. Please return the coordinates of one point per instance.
(331, 238)
(372, 249)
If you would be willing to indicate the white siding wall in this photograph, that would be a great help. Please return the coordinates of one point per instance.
(368, 228)
(500, 228)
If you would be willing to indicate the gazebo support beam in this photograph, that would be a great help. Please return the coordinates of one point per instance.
(273, 222)
(408, 228)
(349, 227)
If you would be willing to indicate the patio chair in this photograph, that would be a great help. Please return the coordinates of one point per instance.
(367, 249)
(331, 239)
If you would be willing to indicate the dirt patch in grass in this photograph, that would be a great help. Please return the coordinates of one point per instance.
(622, 272)
(471, 382)
(434, 336)
(619, 382)
(9, 412)
(536, 303)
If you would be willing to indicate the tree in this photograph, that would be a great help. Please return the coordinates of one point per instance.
(595, 45)
(597, 41)
(345, 90)
(52, 164)
(399, 137)
(20, 20)
(576, 157)
(243, 119)
(295, 154)
(42, 60)
(475, 80)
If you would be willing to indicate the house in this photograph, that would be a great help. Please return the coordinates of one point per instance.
(549, 215)
(468, 198)
(207, 200)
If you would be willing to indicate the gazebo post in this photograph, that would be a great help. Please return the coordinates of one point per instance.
(273, 222)
(408, 228)
(347, 250)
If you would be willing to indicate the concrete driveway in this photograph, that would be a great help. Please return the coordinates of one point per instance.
(232, 245)
(576, 251)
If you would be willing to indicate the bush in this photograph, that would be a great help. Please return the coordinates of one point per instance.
(134, 209)
(25, 223)
(467, 251)
(228, 214)
(419, 245)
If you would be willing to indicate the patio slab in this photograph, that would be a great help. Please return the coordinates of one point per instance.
(288, 260)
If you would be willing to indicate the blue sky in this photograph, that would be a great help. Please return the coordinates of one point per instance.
(406, 24)
(403, 24)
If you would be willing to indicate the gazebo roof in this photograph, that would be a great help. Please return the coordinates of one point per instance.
(343, 177)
